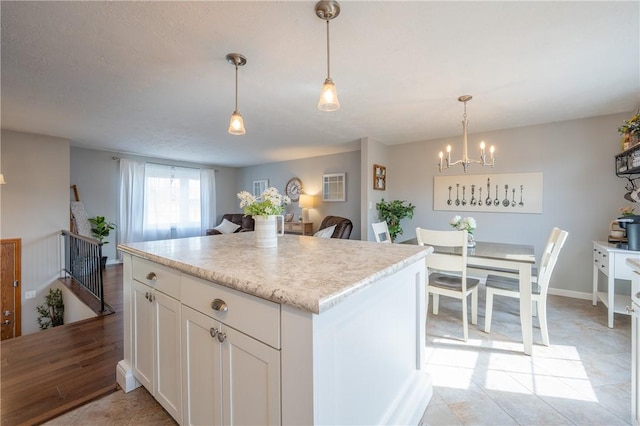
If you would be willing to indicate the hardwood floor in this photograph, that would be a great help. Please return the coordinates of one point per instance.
(50, 372)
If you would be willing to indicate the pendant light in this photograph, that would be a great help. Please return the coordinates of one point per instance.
(236, 124)
(327, 10)
(445, 163)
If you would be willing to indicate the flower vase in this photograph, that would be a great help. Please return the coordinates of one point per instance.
(266, 230)
(471, 241)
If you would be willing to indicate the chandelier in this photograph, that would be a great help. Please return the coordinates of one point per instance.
(465, 160)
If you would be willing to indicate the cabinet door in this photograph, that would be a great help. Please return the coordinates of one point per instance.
(168, 382)
(142, 330)
(251, 380)
(201, 366)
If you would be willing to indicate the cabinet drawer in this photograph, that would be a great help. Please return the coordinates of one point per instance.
(251, 315)
(601, 259)
(160, 277)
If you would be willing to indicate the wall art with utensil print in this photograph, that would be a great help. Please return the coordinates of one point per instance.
(498, 193)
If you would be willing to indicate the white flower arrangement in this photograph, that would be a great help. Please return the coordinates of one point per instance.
(270, 202)
(461, 224)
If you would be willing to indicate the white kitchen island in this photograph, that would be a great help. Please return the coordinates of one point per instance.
(315, 331)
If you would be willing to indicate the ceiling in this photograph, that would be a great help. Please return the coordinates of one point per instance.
(151, 78)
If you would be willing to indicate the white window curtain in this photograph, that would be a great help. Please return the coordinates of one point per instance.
(131, 201)
(162, 202)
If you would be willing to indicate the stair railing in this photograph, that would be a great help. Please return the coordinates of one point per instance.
(83, 263)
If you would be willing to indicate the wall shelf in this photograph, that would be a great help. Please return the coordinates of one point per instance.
(627, 163)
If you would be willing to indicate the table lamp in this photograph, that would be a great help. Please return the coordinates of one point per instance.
(305, 203)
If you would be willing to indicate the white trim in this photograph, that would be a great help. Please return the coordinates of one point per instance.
(570, 293)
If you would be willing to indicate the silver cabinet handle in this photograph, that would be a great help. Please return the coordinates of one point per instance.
(219, 305)
(213, 332)
(629, 310)
(152, 276)
(146, 295)
(152, 297)
(221, 337)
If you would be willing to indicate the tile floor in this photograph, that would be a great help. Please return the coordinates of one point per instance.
(583, 378)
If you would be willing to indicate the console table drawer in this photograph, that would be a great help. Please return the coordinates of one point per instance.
(601, 259)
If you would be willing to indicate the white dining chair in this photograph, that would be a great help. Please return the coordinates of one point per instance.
(498, 285)
(447, 273)
(381, 232)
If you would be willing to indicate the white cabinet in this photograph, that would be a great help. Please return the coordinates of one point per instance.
(634, 310)
(155, 327)
(635, 364)
(228, 376)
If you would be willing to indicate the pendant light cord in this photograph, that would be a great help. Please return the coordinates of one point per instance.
(236, 87)
(328, 53)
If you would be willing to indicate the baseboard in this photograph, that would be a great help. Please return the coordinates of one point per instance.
(570, 293)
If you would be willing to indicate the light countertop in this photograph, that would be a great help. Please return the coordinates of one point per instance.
(309, 273)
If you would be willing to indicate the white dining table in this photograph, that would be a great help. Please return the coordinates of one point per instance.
(516, 258)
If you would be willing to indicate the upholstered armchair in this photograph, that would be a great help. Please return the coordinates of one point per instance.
(245, 223)
(343, 226)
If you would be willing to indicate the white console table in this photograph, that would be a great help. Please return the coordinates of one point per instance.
(611, 261)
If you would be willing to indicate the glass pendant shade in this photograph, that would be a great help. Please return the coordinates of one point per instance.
(236, 124)
(328, 97)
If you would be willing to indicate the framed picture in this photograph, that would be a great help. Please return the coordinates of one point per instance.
(288, 217)
(259, 186)
(334, 187)
(379, 177)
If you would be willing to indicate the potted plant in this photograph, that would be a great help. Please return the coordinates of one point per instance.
(101, 230)
(630, 131)
(51, 312)
(393, 212)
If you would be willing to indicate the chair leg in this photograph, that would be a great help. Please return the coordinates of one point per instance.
(436, 303)
(474, 306)
(465, 325)
(542, 318)
(488, 311)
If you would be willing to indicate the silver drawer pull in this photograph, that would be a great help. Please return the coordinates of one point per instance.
(221, 337)
(152, 276)
(629, 310)
(213, 332)
(219, 305)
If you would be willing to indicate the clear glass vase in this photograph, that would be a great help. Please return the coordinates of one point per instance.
(471, 241)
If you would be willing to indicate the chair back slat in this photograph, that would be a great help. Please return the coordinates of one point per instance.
(441, 262)
(550, 257)
(381, 232)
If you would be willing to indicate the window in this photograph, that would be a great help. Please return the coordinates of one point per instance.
(172, 207)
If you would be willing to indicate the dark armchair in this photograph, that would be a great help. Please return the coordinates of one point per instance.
(343, 226)
(246, 223)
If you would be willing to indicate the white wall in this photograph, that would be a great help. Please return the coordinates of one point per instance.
(35, 207)
(310, 171)
(581, 192)
(373, 152)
